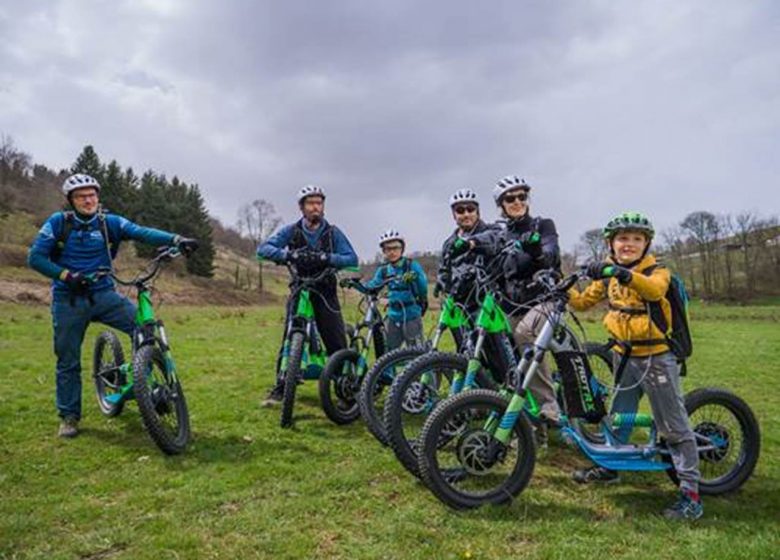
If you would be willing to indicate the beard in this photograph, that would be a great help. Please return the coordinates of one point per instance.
(314, 219)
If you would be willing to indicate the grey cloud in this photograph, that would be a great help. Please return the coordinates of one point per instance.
(660, 106)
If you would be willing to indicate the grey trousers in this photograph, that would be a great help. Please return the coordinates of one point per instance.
(409, 333)
(661, 384)
(525, 331)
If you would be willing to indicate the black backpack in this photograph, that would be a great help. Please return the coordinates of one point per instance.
(678, 334)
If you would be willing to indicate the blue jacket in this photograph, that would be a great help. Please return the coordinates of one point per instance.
(276, 247)
(85, 249)
(404, 297)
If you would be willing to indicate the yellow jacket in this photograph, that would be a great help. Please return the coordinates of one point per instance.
(628, 319)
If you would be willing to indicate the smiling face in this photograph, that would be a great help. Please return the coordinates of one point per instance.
(85, 201)
(515, 203)
(629, 246)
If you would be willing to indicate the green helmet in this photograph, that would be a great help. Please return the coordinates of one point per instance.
(633, 221)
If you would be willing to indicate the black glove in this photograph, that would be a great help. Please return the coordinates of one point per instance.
(623, 275)
(76, 281)
(529, 239)
(600, 269)
(595, 269)
(459, 247)
(294, 257)
(187, 245)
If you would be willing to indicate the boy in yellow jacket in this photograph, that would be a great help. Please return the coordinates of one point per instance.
(630, 279)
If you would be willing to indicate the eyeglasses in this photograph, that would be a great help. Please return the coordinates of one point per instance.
(388, 248)
(465, 209)
(510, 198)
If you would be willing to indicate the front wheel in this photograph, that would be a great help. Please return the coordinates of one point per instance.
(339, 386)
(107, 358)
(414, 394)
(463, 464)
(161, 400)
(376, 385)
(291, 378)
(728, 438)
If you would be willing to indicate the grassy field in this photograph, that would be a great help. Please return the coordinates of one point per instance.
(247, 489)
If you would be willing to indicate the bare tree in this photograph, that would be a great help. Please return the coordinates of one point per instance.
(703, 229)
(13, 162)
(745, 225)
(592, 241)
(676, 250)
(726, 229)
(258, 220)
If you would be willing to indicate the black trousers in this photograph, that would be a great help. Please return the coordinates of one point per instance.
(327, 316)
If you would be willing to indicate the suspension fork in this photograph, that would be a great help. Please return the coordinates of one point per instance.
(468, 381)
(362, 361)
(170, 365)
(530, 364)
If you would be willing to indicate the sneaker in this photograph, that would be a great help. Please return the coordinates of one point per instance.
(69, 427)
(595, 474)
(688, 507)
(274, 396)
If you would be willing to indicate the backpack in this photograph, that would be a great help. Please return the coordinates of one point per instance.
(422, 299)
(69, 222)
(678, 334)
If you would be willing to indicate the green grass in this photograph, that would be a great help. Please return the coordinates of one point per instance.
(248, 489)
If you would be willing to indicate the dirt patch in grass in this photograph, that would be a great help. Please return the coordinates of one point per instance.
(39, 293)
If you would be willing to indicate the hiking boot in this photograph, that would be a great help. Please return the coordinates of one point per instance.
(688, 507)
(69, 427)
(274, 396)
(595, 474)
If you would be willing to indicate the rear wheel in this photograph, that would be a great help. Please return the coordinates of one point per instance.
(376, 385)
(339, 385)
(160, 400)
(728, 438)
(107, 358)
(460, 460)
(291, 378)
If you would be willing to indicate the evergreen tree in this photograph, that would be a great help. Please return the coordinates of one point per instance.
(88, 162)
(201, 262)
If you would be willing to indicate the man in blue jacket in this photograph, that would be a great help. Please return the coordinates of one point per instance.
(69, 248)
(312, 245)
(407, 292)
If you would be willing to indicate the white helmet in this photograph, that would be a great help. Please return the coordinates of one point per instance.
(310, 190)
(391, 235)
(463, 195)
(79, 181)
(510, 183)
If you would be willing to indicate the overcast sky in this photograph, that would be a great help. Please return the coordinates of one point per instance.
(661, 106)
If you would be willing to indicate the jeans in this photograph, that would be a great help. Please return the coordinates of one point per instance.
(70, 322)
